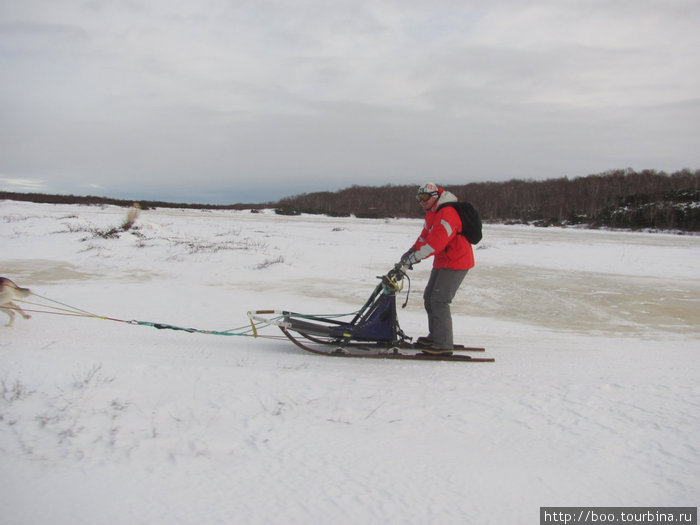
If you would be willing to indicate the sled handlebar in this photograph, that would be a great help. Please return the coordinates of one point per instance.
(399, 271)
(393, 279)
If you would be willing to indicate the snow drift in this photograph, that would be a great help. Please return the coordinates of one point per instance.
(593, 399)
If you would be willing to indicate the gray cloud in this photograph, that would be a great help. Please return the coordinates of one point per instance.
(264, 99)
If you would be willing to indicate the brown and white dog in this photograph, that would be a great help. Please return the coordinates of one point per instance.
(9, 291)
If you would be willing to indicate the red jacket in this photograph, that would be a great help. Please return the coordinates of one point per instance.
(440, 237)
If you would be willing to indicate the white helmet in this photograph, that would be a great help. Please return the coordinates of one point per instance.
(429, 189)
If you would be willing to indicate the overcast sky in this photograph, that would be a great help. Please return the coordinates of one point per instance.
(225, 101)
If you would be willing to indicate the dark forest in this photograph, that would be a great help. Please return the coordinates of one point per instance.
(624, 199)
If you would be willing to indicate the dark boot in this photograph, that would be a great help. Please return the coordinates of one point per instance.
(425, 341)
(436, 350)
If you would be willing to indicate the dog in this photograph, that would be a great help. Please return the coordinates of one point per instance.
(9, 291)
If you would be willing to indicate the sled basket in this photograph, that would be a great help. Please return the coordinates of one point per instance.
(376, 321)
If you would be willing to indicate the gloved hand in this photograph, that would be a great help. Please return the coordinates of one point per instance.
(409, 258)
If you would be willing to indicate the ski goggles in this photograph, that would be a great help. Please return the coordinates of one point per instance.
(425, 197)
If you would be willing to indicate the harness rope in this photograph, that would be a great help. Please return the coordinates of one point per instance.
(250, 330)
(243, 331)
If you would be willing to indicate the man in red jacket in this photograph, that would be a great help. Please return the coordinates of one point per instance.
(453, 258)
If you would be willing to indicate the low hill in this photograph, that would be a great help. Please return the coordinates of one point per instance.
(625, 199)
(618, 199)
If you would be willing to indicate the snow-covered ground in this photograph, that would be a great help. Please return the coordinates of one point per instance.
(593, 399)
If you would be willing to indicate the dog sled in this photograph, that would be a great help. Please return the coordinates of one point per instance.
(373, 332)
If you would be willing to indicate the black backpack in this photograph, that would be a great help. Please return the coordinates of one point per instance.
(471, 222)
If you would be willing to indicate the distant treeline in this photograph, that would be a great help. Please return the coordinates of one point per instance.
(92, 200)
(618, 199)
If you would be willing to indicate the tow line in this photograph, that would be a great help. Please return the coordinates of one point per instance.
(249, 330)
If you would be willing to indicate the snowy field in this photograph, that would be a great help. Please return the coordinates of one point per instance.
(594, 398)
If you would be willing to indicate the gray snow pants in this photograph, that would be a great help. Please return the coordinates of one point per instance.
(439, 292)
